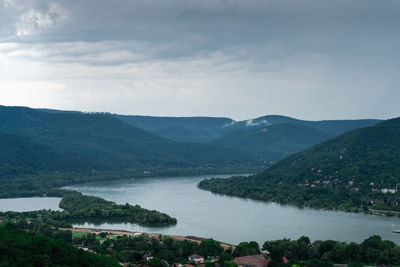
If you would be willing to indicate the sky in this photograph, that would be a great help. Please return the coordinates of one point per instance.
(309, 59)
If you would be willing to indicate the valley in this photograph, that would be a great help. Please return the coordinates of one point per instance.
(103, 166)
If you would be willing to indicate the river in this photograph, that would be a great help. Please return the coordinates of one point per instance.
(29, 204)
(231, 219)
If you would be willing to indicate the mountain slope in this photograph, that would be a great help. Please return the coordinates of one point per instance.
(20, 154)
(101, 141)
(22, 248)
(351, 171)
(331, 127)
(275, 141)
(284, 135)
(181, 129)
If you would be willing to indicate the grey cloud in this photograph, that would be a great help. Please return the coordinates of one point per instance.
(270, 56)
(212, 25)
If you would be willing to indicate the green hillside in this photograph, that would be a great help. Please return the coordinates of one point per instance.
(331, 127)
(275, 141)
(43, 150)
(209, 129)
(21, 248)
(350, 172)
(22, 154)
(101, 141)
(273, 136)
(181, 129)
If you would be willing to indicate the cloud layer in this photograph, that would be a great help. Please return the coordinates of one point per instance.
(309, 59)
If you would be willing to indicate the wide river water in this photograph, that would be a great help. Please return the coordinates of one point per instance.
(231, 219)
(29, 204)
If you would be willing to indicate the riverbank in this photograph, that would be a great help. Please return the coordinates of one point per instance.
(129, 233)
(232, 219)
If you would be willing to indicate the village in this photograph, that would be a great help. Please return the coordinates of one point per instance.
(260, 259)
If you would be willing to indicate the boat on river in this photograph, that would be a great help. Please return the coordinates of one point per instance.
(396, 231)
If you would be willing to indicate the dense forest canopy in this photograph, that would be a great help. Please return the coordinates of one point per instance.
(41, 150)
(42, 245)
(101, 141)
(357, 170)
(21, 248)
(77, 207)
(272, 137)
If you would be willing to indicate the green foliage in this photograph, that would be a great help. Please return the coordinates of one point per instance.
(372, 250)
(347, 173)
(181, 129)
(20, 248)
(77, 143)
(78, 207)
(275, 141)
(132, 249)
(208, 129)
(246, 248)
(210, 247)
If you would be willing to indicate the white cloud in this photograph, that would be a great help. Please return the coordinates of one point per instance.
(252, 123)
(33, 17)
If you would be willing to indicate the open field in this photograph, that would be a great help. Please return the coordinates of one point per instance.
(78, 232)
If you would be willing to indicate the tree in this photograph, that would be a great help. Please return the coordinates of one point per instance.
(210, 247)
(247, 248)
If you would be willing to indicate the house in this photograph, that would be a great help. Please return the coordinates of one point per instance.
(386, 190)
(147, 257)
(257, 260)
(196, 258)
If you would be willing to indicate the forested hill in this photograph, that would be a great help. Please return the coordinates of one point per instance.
(276, 137)
(275, 141)
(365, 155)
(272, 136)
(331, 127)
(353, 170)
(209, 129)
(21, 248)
(55, 125)
(183, 129)
(81, 142)
(20, 154)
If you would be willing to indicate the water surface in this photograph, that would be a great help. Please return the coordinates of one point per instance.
(29, 204)
(232, 219)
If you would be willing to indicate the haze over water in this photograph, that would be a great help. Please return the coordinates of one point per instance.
(231, 219)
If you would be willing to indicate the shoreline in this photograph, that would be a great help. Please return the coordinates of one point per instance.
(130, 233)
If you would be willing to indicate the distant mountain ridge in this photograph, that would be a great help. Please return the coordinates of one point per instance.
(272, 137)
(101, 141)
(181, 129)
(352, 171)
(274, 141)
(278, 136)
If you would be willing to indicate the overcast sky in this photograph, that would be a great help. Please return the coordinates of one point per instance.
(309, 59)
